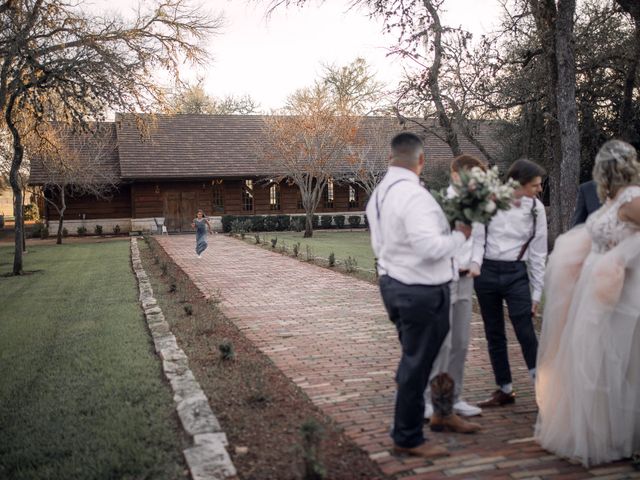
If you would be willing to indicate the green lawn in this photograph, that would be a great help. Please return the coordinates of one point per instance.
(342, 243)
(81, 392)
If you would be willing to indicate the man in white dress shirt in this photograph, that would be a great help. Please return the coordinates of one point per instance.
(412, 241)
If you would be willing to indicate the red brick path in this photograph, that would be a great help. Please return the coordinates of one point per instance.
(329, 333)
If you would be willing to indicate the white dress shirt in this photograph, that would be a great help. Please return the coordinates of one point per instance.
(510, 229)
(410, 234)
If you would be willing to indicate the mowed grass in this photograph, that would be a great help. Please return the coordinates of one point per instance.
(356, 244)
(81, 392)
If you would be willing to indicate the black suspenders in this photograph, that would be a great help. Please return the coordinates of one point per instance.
(528, 242)
(379, 206)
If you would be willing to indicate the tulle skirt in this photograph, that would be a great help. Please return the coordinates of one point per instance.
(588, 369)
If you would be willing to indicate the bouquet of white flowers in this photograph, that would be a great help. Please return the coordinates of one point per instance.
(479, 195)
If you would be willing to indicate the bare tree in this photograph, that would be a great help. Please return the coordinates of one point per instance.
(355, 87)
(78, 164)
(60, 63)
(307, 143)
(368, 154)
(194, 99)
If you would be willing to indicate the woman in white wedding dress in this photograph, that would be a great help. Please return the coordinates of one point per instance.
(588, 368)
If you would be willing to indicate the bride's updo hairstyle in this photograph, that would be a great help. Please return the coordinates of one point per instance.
(616, 167)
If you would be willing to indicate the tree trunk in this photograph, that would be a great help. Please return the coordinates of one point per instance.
(308, 229)
(24, 231)
(18, 153)
(626, 129)
(567, 112)
(433, 83)
(63, 203)
(544, 12)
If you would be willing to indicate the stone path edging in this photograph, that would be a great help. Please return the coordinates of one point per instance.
(208, 458)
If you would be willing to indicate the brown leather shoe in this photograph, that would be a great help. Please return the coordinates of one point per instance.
(425, 451)
(453, 423)
(498, 399)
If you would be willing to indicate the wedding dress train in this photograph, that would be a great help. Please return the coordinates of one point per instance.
(588, 367)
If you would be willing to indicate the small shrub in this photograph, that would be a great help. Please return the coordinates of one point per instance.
(283, 247)
(312, 434)
(116, 230)
(227, 352)
(350, 264)
(37, 228)
(188, 309)
(270, 223)
(354, 221)
(173, 288)
(326, 221)
(44, 233)
(31, 212)
(310, 256)
(65, 232)
(240, 226)
(257, 223)
(366, 221)
(274, 242)
(98, 230)
(257, 238)
(226, 222)
(81, 231)
(296, 249)
(339, 219)
(284, 221)
(315, 221)
(297, 224)
(332, 259)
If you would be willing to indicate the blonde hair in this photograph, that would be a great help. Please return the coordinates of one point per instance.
(616, 167)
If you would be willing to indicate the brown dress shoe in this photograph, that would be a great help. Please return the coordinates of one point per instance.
(498, 399)
(425, 451)
(453, 423)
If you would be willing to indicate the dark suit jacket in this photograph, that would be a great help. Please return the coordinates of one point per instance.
(588, 202)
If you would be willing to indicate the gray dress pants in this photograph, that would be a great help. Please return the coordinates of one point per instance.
(453, 353)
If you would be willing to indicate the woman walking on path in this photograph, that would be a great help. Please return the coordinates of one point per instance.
(201, 224)
(587, 387)
(513, 270)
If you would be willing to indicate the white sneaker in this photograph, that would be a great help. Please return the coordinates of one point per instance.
(466, 410)
(428, 410)
(199, 256)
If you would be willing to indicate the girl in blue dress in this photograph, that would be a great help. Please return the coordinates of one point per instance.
(201, 224)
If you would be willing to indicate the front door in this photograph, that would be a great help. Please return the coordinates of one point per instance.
(179, 211)
(172, 211)
(187, 211)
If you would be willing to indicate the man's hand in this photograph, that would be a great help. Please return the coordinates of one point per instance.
(474, 270)
(464, 229)
(534, 308)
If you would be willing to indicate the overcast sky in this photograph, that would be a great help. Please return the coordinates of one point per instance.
(269, 58)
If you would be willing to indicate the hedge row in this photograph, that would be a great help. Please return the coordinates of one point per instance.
(279, 223)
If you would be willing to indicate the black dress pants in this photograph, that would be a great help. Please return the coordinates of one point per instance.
(508, 281)
(421, 316)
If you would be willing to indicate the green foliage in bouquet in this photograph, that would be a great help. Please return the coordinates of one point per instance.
(479, 195)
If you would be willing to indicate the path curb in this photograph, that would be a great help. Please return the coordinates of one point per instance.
(208, 458)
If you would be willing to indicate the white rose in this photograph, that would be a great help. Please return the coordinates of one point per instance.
(490, 207)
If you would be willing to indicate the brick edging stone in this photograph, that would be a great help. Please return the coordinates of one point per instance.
(207, 458)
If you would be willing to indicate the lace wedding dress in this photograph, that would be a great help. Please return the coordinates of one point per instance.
(588, 369)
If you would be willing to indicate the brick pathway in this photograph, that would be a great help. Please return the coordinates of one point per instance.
(329, 333)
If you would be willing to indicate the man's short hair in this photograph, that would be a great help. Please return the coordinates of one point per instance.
(467, 162)
(406, 148)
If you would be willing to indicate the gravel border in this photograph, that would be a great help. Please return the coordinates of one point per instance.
(208, 458)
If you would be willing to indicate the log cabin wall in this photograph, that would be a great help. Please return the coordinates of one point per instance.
(118, 205)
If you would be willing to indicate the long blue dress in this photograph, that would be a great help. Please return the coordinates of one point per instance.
(201, 235)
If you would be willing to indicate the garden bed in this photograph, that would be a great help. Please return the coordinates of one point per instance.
(262, 412)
